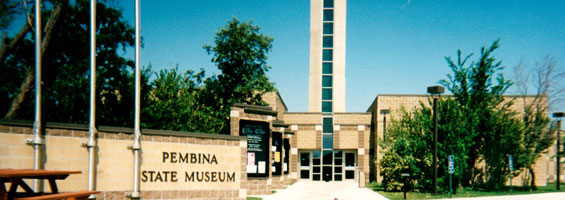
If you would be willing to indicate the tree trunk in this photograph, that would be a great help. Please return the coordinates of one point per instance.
(26, 85)
(533, 178)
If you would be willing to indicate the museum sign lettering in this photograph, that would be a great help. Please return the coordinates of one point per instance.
(188, 159)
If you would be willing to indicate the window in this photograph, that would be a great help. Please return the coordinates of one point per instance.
(328, 157)
(316, 161)
(327, 68)
(327, 55)
(304, 159)
(326, 81)
(304, 174)
(328, 42)
(338, 154)
(316, 157)
(326, 106)
(349, 174)
(349, 160)
(316, 170)
(328, 125)
(316, 177)
(326, 94)
(338, 169)
(328, 3)
(337, 177)
(328, 28)
(328, 142)
(328, 15)
(316, 154)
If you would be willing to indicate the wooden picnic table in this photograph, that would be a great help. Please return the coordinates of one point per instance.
(16, 178)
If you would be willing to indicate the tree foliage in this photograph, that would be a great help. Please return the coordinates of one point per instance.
(66, 67)
(544, 78)
(191, 102)
(172, 101)
(476, 125)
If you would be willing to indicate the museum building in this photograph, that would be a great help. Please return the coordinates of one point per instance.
(327, 143)
(268, 148)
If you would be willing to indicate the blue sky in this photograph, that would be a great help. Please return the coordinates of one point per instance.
(393, 46)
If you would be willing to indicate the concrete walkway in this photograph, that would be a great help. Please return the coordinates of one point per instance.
(316, 190)
(324, 191)
(542, 196)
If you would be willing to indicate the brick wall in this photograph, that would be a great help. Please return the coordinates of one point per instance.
(351, 132)
(394, 103)
(265, 185)
(114, 161)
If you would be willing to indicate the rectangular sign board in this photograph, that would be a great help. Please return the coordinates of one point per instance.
(258, 136)
(510, 163)
(451, 164)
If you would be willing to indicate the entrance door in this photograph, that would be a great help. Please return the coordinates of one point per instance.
(305, 165)
(350, 164)
(327, 165)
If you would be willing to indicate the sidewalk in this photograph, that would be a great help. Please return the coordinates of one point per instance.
(324, 191)
(542, 196)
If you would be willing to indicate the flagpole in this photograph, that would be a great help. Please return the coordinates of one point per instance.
(37, 125)
(91, 145)
(137, 131)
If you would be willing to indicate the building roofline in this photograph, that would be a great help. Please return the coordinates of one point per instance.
(282, 100)
(424, 95)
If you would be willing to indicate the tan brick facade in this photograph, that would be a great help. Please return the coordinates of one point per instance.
(394, 103)
(264, 185)
(351, 131)
(63, 150)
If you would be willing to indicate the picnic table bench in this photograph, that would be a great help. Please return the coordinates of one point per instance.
(16, 177)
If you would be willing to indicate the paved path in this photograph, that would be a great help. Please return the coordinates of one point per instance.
(542, 196)
(316, 190)
(324, 191)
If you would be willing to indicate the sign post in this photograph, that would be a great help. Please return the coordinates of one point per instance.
(405, 187)
(511, 166)
(451, 171)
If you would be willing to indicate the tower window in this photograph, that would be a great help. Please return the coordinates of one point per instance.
(328, 142)
(326, 106)
(328, 15)
(327, 81)
(327, 94)
(328, 42)
(328, 28)
(327, 68)
(328, 3)
(327, 55)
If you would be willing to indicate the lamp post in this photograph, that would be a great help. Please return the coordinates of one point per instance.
(435, 91)
(384, 112)
(558, 115)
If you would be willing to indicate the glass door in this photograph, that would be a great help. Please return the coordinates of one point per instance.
(316, 165)
(305, 165)
(328, 165)
(349, 165)
(338, 165)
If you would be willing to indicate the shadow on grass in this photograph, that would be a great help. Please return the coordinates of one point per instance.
(464, 192)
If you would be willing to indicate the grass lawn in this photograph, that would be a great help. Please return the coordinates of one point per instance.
(461, 192)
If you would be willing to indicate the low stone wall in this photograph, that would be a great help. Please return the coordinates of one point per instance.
(174, 165)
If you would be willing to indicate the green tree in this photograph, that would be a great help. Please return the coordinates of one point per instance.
(240, 53)
(66, 66)
(476, 125)
(479, 89)
(173, 103)
(410, 142)
(537, 135)
(190, 102)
